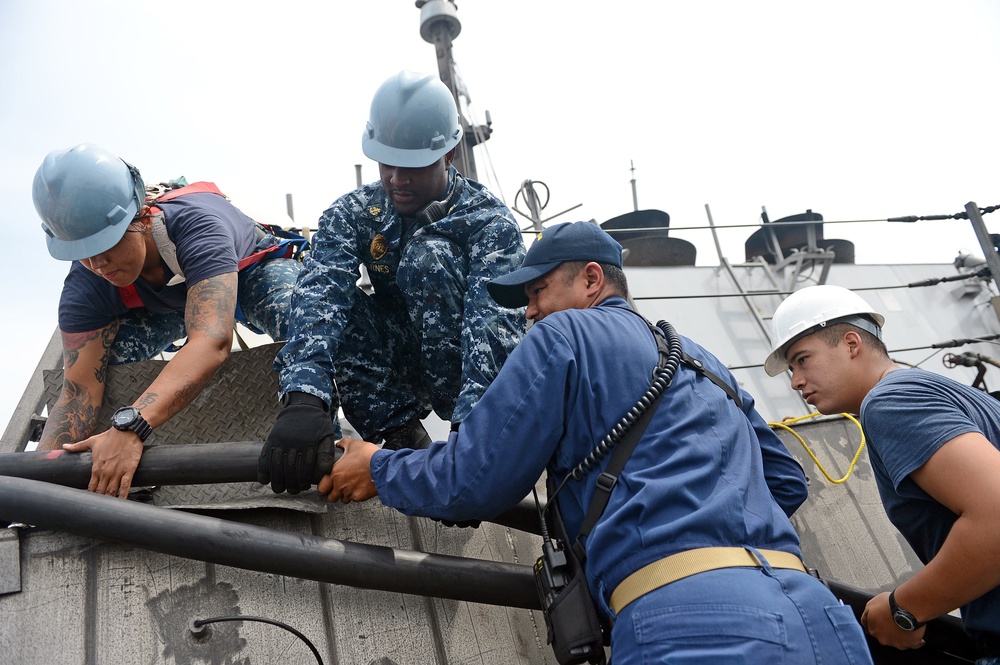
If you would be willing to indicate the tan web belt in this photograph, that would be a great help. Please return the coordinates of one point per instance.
(684, 564)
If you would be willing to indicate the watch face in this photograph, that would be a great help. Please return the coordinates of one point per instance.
(128, 419)
(904, 620)
(124, 416)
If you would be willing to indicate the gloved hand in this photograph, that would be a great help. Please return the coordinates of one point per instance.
(461, 524)
(288, 458)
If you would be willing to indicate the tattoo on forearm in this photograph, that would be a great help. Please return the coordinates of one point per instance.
(147, 400)
(73, 342)
(108, 335)
(184, 396)
(72, 419)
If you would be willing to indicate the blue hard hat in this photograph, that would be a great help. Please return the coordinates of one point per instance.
(413, 121)
(86, 198)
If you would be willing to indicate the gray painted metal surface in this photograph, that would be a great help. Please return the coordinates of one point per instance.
(10, 562)
(845, 534)
(90, 602)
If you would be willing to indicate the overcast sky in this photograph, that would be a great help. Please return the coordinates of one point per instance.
(855, 109)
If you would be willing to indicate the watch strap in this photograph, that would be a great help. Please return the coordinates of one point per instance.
(901, 616)
(141, 428)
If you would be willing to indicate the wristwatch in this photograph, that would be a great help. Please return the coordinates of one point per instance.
(903, 619)
(128, 419)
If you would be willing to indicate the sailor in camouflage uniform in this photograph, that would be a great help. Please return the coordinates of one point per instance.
(429, 336)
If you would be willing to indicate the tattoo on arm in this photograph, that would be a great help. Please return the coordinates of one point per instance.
(72, 419)
(211, 306)
(74, 416)
(147, 400)
(73, 344)
(108, 335)
(184, 396)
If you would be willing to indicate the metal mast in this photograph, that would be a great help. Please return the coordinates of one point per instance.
(439, 25)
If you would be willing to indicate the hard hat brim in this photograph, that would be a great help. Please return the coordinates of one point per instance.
(411, 159)
(92, 245)
(775, 363)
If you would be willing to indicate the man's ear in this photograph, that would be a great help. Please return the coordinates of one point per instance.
(595, 276)
(853, 341)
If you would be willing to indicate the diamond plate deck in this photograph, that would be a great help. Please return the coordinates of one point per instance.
(238, 404)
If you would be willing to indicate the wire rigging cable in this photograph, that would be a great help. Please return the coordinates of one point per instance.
(932, 281)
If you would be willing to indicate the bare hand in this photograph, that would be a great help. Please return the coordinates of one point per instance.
(877, 620)
(115, 458)
(351, 477)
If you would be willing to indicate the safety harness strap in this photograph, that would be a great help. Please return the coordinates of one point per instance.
(130, 296)
(193, 188)
(289, 245)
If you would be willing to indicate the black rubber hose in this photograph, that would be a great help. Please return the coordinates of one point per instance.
(183, 464)
(190, 464)
(252, 547)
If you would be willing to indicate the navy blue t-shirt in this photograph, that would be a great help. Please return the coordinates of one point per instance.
(907, 417)
(211, 236)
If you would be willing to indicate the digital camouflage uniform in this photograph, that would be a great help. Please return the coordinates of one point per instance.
(430, 336)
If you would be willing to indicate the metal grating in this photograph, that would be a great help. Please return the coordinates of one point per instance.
(239, 404)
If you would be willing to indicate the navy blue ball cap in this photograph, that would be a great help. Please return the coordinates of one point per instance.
(572, 241)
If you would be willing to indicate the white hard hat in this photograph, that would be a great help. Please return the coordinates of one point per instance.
(812, 308)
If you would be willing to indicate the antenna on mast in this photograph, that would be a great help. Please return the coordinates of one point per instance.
(635, 198)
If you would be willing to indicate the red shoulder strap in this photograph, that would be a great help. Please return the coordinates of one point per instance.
(130, 296)
(193, 188)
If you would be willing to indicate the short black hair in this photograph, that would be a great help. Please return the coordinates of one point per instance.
(833, 334)
(613, 275)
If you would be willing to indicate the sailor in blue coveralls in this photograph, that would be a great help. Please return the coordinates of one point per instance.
(145, 274)
(429, 337)
(707, 479)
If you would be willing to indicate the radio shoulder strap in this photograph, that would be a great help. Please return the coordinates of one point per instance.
(607, 480)
(609, 477)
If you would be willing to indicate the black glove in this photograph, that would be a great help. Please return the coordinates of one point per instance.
(461, 524)
(288, 458)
